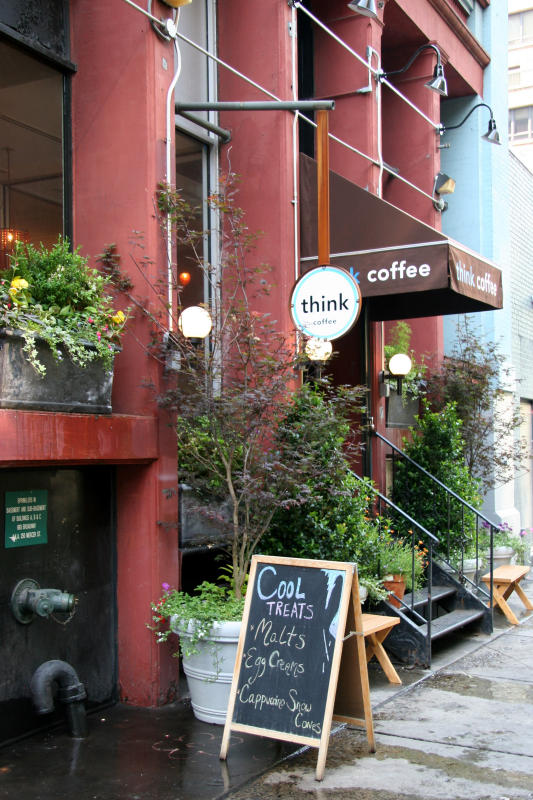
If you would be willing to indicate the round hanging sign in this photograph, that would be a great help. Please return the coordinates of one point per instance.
(325, 302)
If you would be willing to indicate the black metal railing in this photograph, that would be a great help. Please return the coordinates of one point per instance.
(417, 532)
(454, 523)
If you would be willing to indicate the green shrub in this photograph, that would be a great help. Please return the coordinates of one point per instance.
(437, 446)
(330, 520)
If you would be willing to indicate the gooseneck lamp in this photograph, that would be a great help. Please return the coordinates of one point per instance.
(491, 135)
(367, 8)
(437, 83)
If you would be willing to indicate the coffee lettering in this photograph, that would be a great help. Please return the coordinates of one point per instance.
(398, 270)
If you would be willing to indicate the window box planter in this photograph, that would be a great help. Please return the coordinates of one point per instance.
(66, 387)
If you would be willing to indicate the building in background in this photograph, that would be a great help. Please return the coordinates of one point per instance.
(520, 66)
(521, 80)
(491, 212)
(93, 120)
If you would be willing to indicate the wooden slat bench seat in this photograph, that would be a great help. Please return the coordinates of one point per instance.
(375, 629)
(506, 580)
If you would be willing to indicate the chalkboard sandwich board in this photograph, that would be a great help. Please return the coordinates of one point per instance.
(301, 640)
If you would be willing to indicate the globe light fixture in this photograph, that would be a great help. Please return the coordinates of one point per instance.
(318, 349)
(195, 322)
(399, 366)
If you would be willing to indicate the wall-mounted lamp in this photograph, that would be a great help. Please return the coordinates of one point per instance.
(492, 134)
(399, 366)
(367, 8)
(195, 323)
(443, 185)
(437, 83)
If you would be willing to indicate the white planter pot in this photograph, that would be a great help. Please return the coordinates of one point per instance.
(501, 556)
(470, 567)
(210, 671)
(363, 593)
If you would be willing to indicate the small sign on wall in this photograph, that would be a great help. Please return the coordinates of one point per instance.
(26, 516)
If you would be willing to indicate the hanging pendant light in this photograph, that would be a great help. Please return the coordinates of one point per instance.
(9, 236)
(177, 3)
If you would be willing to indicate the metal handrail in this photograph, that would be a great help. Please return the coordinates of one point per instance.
(431, 539)
(464, 504)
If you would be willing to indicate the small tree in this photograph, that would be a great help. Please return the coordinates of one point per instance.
(477, 379)
(334, 521)
(232, 396)
(438, 446)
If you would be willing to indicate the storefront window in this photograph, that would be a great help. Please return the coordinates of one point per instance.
(191, 183)
(31, 148)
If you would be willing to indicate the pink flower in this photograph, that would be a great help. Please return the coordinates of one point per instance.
(98, 335)
(90, 320)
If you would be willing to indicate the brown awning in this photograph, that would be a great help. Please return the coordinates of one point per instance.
(404, 267)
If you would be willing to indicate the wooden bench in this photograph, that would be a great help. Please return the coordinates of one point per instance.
(506, 580)
(375, 629)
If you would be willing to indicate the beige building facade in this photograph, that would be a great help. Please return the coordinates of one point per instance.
(521, 80)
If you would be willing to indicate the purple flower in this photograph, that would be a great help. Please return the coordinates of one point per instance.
(166, 586)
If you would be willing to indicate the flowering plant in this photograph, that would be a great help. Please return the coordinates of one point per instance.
(209, 604)
(504, 536)
(396, 558)
(53, 295)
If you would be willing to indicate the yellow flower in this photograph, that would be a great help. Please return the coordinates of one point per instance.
(118, 318)
(16, 285)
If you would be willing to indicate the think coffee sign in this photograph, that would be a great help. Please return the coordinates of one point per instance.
(325, 302)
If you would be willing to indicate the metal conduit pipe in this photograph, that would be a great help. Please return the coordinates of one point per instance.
(71, 693)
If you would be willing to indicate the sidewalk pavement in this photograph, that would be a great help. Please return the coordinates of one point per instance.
(463, 729)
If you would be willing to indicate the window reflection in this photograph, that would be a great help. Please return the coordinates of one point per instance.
(190, 182)
(31, 146)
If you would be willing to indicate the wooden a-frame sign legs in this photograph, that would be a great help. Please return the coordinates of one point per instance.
(301, 660)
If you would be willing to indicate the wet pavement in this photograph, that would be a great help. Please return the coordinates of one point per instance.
(134, 754)
(463, 729)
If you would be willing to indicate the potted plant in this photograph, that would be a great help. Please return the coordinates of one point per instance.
(503, 543)
(523, 547)
(232, 399)
(57, 323)
(471, 563)
(252, 442)
(208, 624)
(401, 564)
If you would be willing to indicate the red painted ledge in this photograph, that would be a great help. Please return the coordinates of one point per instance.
(34, 438)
